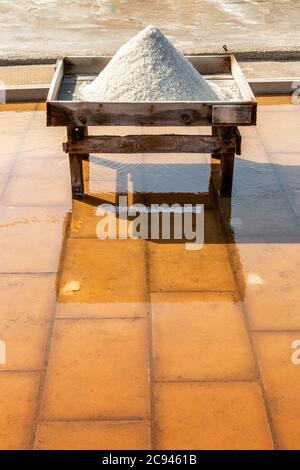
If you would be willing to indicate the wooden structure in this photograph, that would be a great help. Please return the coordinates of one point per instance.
(223, 117)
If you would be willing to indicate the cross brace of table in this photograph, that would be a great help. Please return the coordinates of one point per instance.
(223, 144)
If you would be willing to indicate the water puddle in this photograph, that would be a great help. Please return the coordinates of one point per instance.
(116, 340)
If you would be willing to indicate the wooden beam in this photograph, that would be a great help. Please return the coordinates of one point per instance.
(56, 80)
(227, 136)
(229, 115)
(240, 80)
(205, 64)
(76, 171)
(144, 144)
(73, 113)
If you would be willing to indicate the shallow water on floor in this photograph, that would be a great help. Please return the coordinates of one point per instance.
(101, 26)
(126, 343)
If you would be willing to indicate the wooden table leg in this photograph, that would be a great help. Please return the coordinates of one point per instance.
(227, 136)
(76, 176)
(76, 169)
(215, 153)
(86, 156)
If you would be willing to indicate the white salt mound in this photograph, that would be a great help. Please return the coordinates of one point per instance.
(148, 68)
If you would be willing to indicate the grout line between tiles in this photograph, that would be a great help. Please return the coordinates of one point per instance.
(109, 419)
(49, 340)
(150, 348)
(42, 381)
(200, 291)
(208, 381)
(272, 331)
(27, 273)
(250, 339)
(20, 371)
(101, 318)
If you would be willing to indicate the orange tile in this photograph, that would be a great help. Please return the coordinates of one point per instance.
(110, 275)
(278, 128)
(39, 182)
(18, 403)
(282, 381)
(200, 336)
(211, 417)
(18, 107)
(173, 268)
(271, 275)
(27, 304)
(31, 239)
(85, 219)
(102, 365)
(273, 100)
(107, 435)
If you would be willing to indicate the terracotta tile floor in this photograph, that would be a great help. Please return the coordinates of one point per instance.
(130, 344)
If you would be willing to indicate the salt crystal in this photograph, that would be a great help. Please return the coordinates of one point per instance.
(148, 68)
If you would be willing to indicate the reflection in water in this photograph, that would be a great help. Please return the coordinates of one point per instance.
(148, 338)
(50, 26)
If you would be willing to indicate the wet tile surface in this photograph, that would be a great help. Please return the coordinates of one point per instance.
(271, 274)
(173, 268)
(157, 346)
(100, 271)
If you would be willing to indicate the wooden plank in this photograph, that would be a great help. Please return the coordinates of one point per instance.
(211, 64)
(76, 175)
(238, 114)
(227, 169)
(56, 80)
(25, 93)
(227, 136)
(205, 64)
(241, 81)
(71, 83)
(73, 113)
(88, 64)
(273, 86)
(144, 144)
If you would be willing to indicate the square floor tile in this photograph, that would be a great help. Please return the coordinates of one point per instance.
(27, 304)
(109, 276)
(271, 276)
(282, 381)
(106, 435)
(31, 239)
(200, 337)
(18, 403)
(44, 182)
(98, 369)
(211, 417)
(278, 130)
(173, 268)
